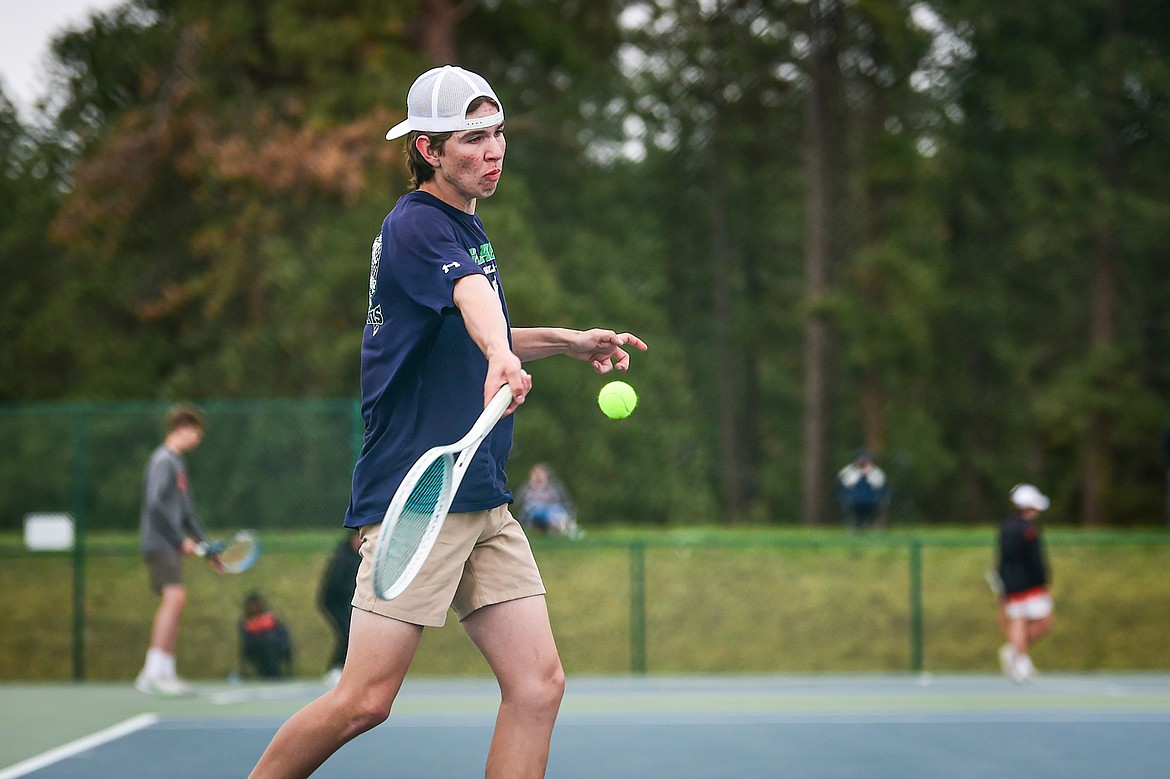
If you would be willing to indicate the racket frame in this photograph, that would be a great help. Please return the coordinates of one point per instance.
(457, 458)
(206, 549)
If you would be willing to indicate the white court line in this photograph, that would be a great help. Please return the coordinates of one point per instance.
(82, 744)
(276, 692)
(873, 718)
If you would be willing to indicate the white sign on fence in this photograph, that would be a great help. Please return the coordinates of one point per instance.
(48, 532)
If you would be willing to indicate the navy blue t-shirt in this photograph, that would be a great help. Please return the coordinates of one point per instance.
(422, 375)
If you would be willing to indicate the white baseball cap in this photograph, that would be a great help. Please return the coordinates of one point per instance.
(1027, 496)
(438, 101)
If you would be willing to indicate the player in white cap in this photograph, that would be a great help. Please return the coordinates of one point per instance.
(1023, 571)
(437, 343)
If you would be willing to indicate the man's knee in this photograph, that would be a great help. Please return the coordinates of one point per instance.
(555, 684)
(1041, 626)
(174, 596)
(540, 691)
(370, 716)
(362, 709)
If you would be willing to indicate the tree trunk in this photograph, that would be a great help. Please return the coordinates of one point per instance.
(1098, 459)
(826, 161)
(1097, 464)
(437, 31)
(874, 389)
(726, 348)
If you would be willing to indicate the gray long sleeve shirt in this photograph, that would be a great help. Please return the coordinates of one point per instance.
(168, 511)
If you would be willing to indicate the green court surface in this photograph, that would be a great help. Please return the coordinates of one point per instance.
(896, 726)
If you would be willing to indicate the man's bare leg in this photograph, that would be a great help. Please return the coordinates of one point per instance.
(164, 633)
(517, 640)
(1037, 628)
(379, 655)
(1017, 633)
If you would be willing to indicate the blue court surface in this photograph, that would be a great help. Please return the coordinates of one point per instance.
(810, 727)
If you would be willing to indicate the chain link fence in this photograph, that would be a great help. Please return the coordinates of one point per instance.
(262, 464)
(72, 584)
(640, 604)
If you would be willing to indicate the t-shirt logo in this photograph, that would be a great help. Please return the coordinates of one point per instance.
(483, 254)
(374, 313)
(485, 257)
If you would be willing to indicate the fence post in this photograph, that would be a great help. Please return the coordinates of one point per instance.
(1168, 483)
(79, 490)
(637, 607)
(915, 604)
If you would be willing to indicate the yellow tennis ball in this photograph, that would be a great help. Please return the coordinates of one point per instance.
(617, 400)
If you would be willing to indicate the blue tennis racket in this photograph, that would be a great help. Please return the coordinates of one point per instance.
(236, 554)
(421, 502)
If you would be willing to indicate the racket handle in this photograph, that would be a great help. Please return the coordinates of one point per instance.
(499, 402)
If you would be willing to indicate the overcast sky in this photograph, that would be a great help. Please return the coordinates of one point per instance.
(25, 29)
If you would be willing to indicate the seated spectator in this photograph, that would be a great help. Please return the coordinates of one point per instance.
(265, 644)
(543, 504)
(863, 491)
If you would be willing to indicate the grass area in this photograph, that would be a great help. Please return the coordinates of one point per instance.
(753, 601)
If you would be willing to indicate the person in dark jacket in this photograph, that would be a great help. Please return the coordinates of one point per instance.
(1023, 573)
(264, 640)
(334, 597)
(863, 491)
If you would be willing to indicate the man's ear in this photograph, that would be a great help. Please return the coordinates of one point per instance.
(422, 145)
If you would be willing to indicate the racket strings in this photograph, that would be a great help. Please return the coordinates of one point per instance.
(241, 553)
(419, 513)
(237, 552)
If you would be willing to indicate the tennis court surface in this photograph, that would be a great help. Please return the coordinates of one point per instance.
(809, 727)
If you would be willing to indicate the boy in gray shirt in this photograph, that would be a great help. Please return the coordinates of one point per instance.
(169, 529)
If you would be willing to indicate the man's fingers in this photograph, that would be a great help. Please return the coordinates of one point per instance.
(630, 339)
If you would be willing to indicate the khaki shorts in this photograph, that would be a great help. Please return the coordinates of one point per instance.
(479, 558)
(164, 568)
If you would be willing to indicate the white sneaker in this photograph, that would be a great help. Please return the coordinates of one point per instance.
(1007, 660)
(1023, 670)
(163, 686)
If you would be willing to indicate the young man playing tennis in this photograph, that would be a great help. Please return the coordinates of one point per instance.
(169, 529)
(1026, 608)
(437, 345)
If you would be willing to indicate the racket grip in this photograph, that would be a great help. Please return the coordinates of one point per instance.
(500, 402)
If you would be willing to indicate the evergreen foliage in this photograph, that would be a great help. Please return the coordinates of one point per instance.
(191, 215)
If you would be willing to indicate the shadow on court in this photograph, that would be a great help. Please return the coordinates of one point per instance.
(1061, 727)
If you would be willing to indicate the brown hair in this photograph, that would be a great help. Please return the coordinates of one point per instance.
(420, 170)
(184, 416)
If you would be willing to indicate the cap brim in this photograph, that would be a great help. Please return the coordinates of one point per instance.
(398, 130)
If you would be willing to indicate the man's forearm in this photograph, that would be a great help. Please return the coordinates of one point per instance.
(482, 316)
(534, 343)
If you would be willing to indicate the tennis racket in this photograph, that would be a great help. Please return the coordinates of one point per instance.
(421, 502)
(994, 582)
(236, 554)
